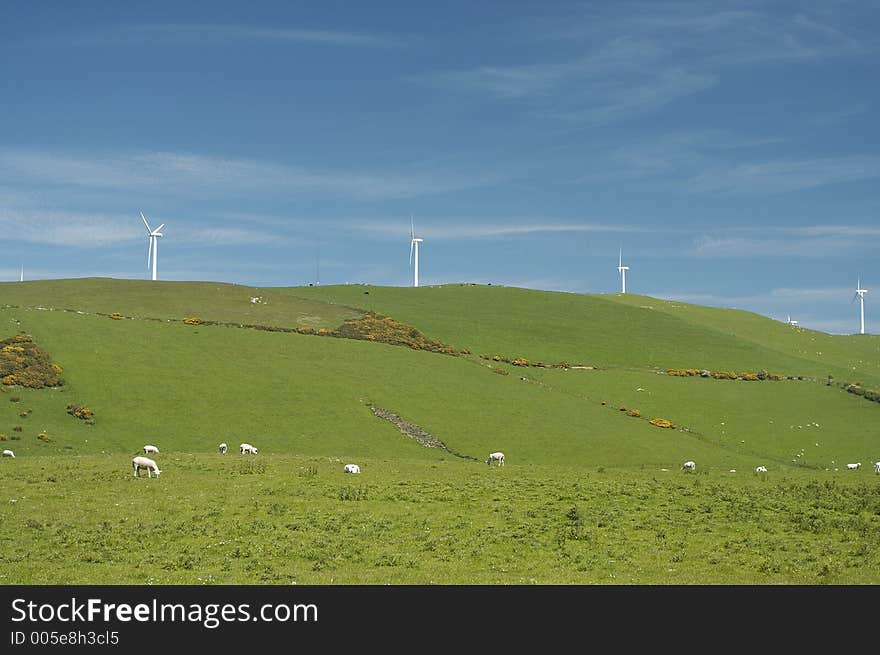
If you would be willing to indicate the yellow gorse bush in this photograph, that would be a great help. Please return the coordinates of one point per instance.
(24, 363)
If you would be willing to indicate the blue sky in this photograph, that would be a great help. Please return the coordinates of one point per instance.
(730, 149)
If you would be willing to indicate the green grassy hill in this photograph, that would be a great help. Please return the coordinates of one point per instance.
(614, 330)
(152, 378)
(306, 401)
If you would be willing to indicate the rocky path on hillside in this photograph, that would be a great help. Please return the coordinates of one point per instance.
(413, 431)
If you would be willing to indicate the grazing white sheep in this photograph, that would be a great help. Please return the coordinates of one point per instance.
(150, 465)
(496, 457)
(8, 453)
(222, 449)
(688, 466)
(760, 469)
(853, 467)
(352, 468)
(247, 449)
(151, 449)
(876, 467)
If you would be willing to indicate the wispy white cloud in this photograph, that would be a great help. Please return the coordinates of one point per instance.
(67, 229)
(236, 236)
(502, 81)
(622, 101)
(185, 34)
(185, 173)
(824, 230)
(782, 176)
(95, 230)
(722, 36)
(674, 155)
(716, 163)
(605, 65)
(797, 243)
(619, 81)
(203, 31)
(643, 56)
(475, 228)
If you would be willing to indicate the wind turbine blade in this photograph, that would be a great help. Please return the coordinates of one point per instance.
(412, 228)
(145, 222)
(149, 252)
(159, 228)
(620, 258)
(412, 244)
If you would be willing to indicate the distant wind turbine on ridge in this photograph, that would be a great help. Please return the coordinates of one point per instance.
(860, 294)
(414, 249)
(153, 248)
(621, 269)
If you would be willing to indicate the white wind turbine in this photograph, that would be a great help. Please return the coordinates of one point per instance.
(414, 248)
(621, 269)
(153, 248)
(860, 294)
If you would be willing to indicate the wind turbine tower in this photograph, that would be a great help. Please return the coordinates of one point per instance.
(621, 269)
(860, 294)
(153, 248)
(414, 250)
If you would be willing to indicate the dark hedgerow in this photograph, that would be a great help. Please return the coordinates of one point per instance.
(370, 327)
(857, 389)
(522, 361)
(725, 375)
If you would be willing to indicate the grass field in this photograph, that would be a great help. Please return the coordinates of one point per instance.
(279, 519)
(589, 493)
